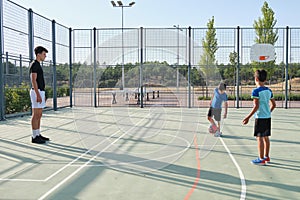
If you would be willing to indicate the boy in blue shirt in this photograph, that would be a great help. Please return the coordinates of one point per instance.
(262, 112)
(215, 109)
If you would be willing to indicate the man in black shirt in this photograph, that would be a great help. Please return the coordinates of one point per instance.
(37, 94)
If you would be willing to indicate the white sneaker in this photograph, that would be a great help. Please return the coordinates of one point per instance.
(218, 134)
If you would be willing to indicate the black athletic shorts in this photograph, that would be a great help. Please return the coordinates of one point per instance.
(262, 127)
(215, 112)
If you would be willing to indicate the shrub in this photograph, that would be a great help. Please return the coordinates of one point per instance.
(17, 99)
(204, 98)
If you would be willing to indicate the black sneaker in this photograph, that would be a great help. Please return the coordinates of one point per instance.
(44, 138)
(38, 140)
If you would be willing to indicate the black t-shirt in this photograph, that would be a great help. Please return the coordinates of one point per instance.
(35, 67)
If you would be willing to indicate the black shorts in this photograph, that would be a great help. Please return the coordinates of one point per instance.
(262, 127)
(215, 112)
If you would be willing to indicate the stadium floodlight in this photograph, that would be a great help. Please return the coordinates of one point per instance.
(121, 5)
(113, 3)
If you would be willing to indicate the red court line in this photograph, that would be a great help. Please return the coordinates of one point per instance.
(189, 194)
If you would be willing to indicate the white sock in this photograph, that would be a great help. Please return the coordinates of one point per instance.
(39, 131)
(35, 133)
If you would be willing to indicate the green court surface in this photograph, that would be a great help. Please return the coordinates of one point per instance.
(152, 153)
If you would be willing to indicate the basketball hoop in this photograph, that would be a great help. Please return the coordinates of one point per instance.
(262, 53)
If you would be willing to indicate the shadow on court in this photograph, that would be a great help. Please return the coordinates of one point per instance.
(169, 175)
(75, 174)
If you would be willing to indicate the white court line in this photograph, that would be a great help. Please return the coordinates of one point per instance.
(76, 171)
(251, 145)
(87, 162)
(21, 180)
(85, 153)
(16, 179)
(10, 158)
(242, 177)
(58, 171)
(145, 159)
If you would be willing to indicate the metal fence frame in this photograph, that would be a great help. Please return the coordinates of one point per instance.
(239, 44)
(40, 30)
(139, 41)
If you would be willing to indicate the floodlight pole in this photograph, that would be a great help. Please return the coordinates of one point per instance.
(122, 6)
(123, 70)
(177, 69)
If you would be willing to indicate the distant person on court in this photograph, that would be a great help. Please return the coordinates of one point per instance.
(214, 113)
(261, 110)
(37, 94)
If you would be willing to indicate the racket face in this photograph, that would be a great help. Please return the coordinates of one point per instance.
(262, 52)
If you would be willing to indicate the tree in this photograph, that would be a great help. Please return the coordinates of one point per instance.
(233, 58)
(210, 46)
(264, 27)
(229, 71)
(265, 33)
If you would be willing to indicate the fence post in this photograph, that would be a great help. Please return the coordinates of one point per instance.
(30, 38)
(6, 66)
(71, 68)
(21, 71)
(54, 66)
(95, 66)
(141, 67)
(286, 68)
(238, 70)
(2, 109)
(189, 67)
(30, 35)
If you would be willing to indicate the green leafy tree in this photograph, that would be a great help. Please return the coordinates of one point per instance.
(229, 71)
(266, 33)
(264, 26)
(210, 46)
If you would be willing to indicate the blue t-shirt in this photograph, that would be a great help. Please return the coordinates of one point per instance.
(264, 94)
(218, 99)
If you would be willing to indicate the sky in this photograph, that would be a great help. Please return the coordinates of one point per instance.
(163, 13)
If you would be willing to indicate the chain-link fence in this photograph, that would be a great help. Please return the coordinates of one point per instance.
(21, 31)
(170, 61)
(137, 66)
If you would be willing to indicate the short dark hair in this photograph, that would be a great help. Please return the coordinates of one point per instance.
(261, 75)
(39, 49)
(222, 86)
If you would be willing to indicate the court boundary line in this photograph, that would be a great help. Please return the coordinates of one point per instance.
(59, 170)
(70, 164)
(87, 162)
(242, 177)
